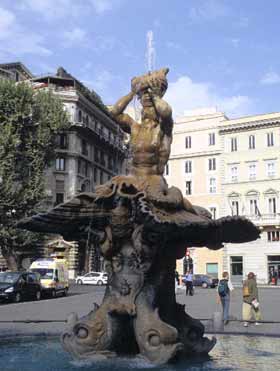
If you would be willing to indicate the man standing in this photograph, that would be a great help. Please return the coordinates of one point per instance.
(224, 289)
(189, 283)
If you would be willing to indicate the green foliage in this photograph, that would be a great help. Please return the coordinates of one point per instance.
(29, 123)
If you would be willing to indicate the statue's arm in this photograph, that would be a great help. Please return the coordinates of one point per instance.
(125, 122)
(121, 104)
(164, 111)
(123, 119)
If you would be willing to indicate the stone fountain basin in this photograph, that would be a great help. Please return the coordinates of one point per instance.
(232, 352)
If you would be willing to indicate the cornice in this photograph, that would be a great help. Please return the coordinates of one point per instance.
(195, 154)
(240, 127)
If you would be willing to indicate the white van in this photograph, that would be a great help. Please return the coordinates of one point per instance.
(53, 275)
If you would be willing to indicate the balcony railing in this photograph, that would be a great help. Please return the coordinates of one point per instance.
(265, 219)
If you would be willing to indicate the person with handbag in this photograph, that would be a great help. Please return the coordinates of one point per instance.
(251, 305)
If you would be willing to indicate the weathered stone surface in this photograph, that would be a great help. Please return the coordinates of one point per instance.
(142, 226)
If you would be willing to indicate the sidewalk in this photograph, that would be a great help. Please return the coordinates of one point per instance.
(201, 306)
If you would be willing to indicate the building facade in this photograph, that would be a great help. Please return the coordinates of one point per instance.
(194, 167)
(232, 167)
(250, 180)
(90, 153)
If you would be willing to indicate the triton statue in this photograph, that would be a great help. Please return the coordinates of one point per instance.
(142, 226)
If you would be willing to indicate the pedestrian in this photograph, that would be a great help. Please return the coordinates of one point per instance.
(224, 289)
(275, 276)
(177, 278)
(251, 305)
(189, 283)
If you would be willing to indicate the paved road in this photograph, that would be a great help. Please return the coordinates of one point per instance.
(80, 300)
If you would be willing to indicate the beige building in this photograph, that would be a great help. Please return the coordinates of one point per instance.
(231, 167)
(250, 181)
(194, 167)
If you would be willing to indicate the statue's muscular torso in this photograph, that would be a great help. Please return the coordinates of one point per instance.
(150, 148)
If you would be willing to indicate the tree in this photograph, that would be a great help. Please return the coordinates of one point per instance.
(29, 123)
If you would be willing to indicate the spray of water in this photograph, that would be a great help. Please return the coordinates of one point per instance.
(150, 52)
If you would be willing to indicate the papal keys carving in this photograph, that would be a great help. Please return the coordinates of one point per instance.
(142, 226)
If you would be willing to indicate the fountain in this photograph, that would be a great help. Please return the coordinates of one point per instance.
(141, 226)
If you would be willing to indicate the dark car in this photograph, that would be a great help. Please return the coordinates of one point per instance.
(15, 286)
(204, 281)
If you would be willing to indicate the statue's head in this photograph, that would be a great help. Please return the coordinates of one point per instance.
(155, 82)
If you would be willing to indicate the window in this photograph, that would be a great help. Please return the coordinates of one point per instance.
(234, 207)
(59, 199)
(212, 269)
(273, 236)
(87, 120)
(101, 177)
(79, 166)
(270, 168)
(254, 210)
(233, 173)
(251, 142)
(236, 265)
(272, 205)
(252, 171)
(211, 139)
(84, 147)
(60, 164)
(166, 169)
(188, 187)
(96, 155)
(61, 141)
(211, 164)
(212, 185)
(79, 116)
(95, 175)
(213, 211)
(269, 137)
(110, 162)
(102, 158)
(233, 144)
(86, 168)
(188, 166)
(188, 142)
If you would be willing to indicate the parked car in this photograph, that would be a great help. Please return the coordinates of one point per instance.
(204, 281)
(93, 278)
(16, 286)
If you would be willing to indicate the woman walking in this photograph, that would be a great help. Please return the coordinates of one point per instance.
(251, 306)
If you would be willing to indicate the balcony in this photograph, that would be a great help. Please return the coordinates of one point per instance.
(265, 219)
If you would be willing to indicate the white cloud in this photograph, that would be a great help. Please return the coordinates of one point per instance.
(184, 94)
(208, 10)
(270, 78)
(16, 40)
(7, 19)
(101, 6)
(75, 36)
(235, 42)
(53, 10)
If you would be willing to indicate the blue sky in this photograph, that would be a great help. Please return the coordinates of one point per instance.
(223, 53)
